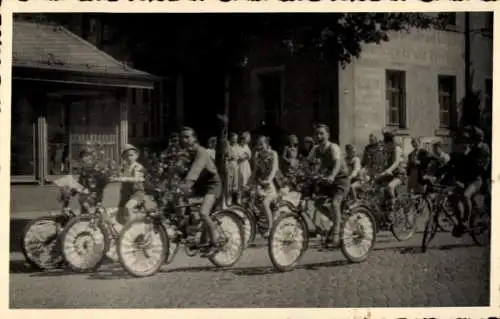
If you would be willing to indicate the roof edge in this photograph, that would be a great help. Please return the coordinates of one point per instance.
(88, 44)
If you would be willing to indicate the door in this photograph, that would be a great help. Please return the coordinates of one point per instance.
(24, 132)
(271, 97)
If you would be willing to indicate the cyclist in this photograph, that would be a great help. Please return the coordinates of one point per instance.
(201, 180)
(479, 162)
(265, 169)
(418, 161)
(394, 173)
(458, 172)
(132, 178)
(335, 174)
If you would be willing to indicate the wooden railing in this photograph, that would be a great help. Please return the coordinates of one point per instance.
(108, 141)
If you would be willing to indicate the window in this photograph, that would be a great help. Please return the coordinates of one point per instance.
(396, 98)
(146, 117)
(447, 100)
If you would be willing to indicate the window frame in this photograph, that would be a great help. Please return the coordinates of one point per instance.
(447, 121)
(398, 90)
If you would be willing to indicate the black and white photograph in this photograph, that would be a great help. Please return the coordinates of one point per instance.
(250, 160)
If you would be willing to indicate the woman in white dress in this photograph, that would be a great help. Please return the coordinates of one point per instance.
(232, 156)
(212, 144)
(245, 154)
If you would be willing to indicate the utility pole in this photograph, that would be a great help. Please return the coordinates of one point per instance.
(468, 86)
(223, 134)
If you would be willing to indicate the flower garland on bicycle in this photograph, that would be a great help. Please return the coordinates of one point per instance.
(335, 181)
(93, 175)
(202, 180)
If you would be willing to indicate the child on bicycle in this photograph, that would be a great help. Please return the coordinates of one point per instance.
(92, 180)
(132, 178)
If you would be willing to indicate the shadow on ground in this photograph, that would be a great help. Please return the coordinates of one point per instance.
(17, 226)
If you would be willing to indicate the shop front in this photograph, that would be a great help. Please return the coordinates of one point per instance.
(65, 92)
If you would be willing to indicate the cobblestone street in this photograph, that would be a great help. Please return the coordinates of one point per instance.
(453, 272)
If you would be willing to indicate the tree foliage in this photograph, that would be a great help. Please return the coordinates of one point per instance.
(177, 42)
(169, 43)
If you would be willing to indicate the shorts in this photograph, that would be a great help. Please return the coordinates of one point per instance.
(267, 192)
(355, 179)
(213, 188)
(138, 196)
(340, 187)
(477, 183)
(387, 179)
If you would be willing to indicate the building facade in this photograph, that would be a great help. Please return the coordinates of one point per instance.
(411, 84)
(65, 92)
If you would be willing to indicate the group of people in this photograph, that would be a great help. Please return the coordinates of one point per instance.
(260, 167)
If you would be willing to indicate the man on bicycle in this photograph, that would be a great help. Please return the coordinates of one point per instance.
(202, 180)
(465, 169)
(334, 171)
(394, 173)
(479, 161)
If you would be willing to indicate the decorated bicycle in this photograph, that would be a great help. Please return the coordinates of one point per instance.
(289, 237)
(400, 218)
(40, 242)
(144, 244)
(42, 237)
(87, 237)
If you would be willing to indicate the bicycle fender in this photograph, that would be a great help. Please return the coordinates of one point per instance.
(229, 211)
(285, 203)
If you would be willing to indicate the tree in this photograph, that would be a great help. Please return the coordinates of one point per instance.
(186, 40)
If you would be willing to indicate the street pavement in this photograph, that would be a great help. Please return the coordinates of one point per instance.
(453, 272)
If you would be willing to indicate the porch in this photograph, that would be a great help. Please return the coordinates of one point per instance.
(64, 92)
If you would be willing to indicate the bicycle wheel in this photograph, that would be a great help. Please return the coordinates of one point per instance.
(249, 224)
(40, 242)
(142, 247)
(404, 223)
(445, 219)
(288, 241)
(231, 228)
(481, 227)
(84, 243)
(357, 234)
(430, 230)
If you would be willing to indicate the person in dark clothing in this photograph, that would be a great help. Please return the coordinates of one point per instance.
(307, 146)
(418, 161)
(373, 156)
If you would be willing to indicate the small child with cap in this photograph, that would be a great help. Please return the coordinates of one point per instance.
(132, 178)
